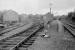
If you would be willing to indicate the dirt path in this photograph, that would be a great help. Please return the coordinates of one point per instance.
(57, 41)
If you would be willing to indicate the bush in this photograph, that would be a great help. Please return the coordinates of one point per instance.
(71, 16)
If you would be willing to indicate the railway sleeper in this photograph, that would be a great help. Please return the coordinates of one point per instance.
(24, 35)
(6, 46)
(27, 43)
(13, 40)
(22, 48)
(8, 43)
(16, 39)
(3, 49)
(30, 41)
(34, 37)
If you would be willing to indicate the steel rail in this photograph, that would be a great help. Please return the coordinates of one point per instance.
(22, 34)
(69, 29)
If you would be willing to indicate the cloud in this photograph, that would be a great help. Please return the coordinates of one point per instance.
(37, 6)
(63, 12)
(19, 5)
(56, 12)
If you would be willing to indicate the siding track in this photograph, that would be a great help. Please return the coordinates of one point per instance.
(70, 28)
(22, 40)
(6, 30)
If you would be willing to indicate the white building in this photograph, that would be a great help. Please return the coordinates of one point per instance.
(10, 16)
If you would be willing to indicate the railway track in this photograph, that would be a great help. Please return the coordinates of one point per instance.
(14, 32)
(70, 24)
(10, 27)
(70, 28)
(22, 40)
(6, 30)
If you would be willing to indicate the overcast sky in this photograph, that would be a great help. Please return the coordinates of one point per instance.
(37, 6)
